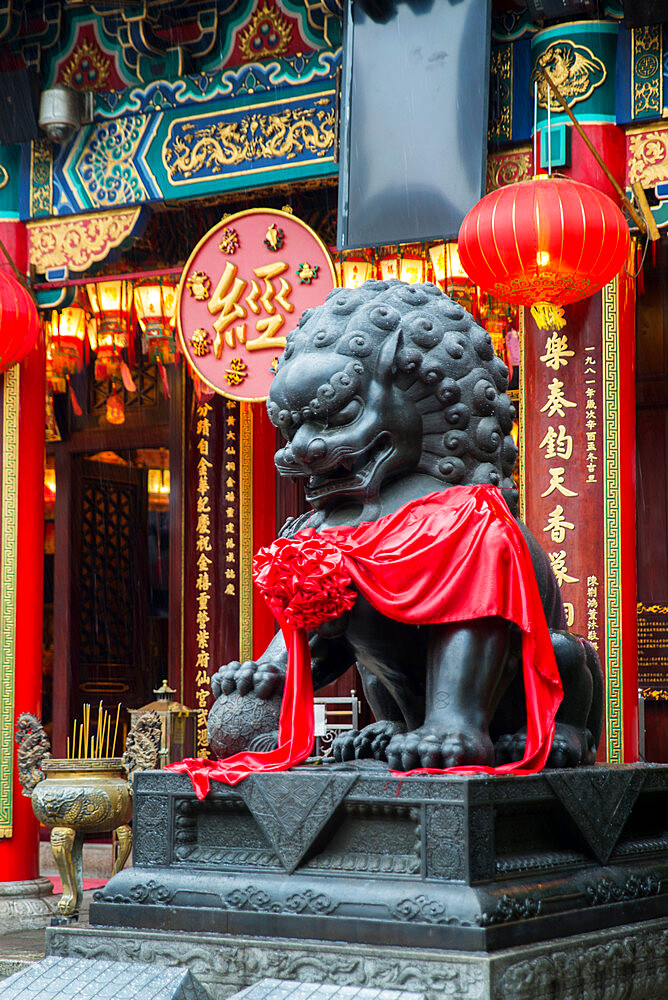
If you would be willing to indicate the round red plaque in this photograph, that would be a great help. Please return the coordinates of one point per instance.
(243, 289)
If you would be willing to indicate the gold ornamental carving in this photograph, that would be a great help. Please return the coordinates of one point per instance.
(576, 71)
(86, 52)
(218, 145)
(652, 694)
(647, 70)
(269, 18)
(78, 241)
(653, 609)
(647, 160)
(501, 71)
(41, 177)
(508, 168)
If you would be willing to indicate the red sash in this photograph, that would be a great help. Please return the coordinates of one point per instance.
(451, 556)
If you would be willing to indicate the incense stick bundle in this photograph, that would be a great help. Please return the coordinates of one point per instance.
(118, 712)
(93, 747)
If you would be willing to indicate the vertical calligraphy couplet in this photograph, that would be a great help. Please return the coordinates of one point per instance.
(571, 480)
(211, 548)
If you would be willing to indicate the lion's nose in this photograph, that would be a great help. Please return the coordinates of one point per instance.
(284, 456)
(316, 449)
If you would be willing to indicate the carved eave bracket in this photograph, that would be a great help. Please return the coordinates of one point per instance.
(75, 243)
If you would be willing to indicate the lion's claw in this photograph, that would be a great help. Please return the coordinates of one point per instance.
(429, 747)
(264, 679)
(571, 747)
(367, 743)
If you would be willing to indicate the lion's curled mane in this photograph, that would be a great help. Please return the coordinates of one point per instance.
(445, 363)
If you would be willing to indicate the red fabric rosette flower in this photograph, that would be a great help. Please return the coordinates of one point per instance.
(304, 580)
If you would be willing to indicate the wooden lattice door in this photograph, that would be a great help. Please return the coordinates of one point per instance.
(109, 585)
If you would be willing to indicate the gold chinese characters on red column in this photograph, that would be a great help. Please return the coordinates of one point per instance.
(231, 499)
(557, 450)
(564, 470)
(242, 290)
(205, 575)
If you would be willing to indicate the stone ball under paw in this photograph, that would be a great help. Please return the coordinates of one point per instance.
(242, 722)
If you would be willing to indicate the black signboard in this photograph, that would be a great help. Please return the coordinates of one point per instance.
(414, 118)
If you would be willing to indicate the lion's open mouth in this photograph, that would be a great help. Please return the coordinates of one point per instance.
(353, 474)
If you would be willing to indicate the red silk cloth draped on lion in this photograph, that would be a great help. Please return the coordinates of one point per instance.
(447, 557)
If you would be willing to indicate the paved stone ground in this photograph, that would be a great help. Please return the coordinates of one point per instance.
(19, 948)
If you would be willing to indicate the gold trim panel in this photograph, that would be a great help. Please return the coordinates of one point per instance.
(612, 527)
(246, 532)
(78, 241)
(9, 536)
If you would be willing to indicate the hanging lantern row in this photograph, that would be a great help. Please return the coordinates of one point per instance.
(545, 241)
(102, 318)
(413, 263)
(440, 263)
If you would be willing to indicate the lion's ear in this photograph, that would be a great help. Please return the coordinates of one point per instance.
(386, 367)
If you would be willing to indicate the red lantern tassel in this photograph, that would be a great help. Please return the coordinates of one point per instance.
(163, 376)
(126, 378)
(73, 400)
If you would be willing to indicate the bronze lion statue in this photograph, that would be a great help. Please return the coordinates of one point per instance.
(385, 394)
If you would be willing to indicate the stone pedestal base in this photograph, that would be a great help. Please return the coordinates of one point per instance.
(27, 905)
(346, 853)
(629, 961)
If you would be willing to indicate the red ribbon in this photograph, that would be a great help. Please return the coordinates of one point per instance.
(451, 556)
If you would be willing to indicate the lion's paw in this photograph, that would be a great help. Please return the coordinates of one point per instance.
(369, 743)
(429, 747)
(264, 679)
(571, 747)
(510, 748)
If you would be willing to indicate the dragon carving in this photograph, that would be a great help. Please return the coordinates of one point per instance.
(254, 137)
(34, 749)
(385, 394)
(142, 747)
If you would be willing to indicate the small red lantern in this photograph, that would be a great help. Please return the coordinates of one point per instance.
(19, 323)
(111, 304)
(545, 240)
(66, 335)
(155, 303)
(115, 408)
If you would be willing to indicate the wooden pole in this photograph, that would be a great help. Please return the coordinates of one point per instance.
(640, 222)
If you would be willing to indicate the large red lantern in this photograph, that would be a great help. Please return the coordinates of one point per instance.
(19, 323)
(545, 240)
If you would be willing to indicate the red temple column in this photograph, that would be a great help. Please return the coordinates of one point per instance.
(23, 895)
(579, 390)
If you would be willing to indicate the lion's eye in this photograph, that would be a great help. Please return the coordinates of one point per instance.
(347, 415)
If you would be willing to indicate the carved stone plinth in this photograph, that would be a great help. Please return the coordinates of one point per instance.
(27, 905)
(350, 853)
(629, 962)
